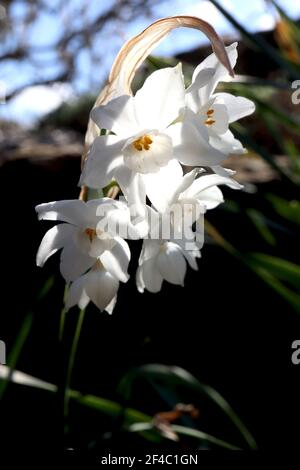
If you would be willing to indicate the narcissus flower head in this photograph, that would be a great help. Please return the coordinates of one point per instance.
(145, 141)
(163, 260)
(142, 143)
(211, 113)
(80, 239)
(98, 286)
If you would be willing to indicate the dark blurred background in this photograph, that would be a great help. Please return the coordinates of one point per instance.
(228, 334)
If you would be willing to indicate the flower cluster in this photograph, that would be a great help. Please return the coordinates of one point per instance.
(146, 143)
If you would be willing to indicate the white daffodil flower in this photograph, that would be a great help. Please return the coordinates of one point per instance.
(179, 204)
(173, 239)
(140, 145)
(98, 285)
(202, 191)
(209, 114)
(80, 238)
(163, 260)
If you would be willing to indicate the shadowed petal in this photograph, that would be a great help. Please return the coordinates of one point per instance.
(73, 263)
(117, 116)
(221, 73)
(159, 101)
(227, 143)
(207, 181)
(191, 142)
(193, 95)
(103, 160)
(76, 294)
(101, 287)
(171, 264)
(117, 259)
(160, 186)
(55, 239)
(149, 277)
(237, 106)
(72, 211)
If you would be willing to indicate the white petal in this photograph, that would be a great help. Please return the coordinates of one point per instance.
(72, 211)
(124, 176)
(193, 95)
(195, 243)
(184, 184)
(227, 143)
(221, 118)
(76, 294)
(103, 160)
(117, 116)
(118, 222)
(100, 245)
(191, 142)
(117, 259)
(154, 224)
(159, 101)
(191, 257)
(73, 262)
(183, 215)
(149, 276)
(55, 239)
(237, 106)
(171, 264)
(149, 250)
(95, 247)
(207, 181)
(101, 287)
(219, 170)
(139, 280)
(99, 208)
(136, 196)
(110, 307)
(221, 73)
(211, 197)
(161, 185)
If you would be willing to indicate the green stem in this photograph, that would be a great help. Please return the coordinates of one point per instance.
(62, 322)
(19, 342)
(63, 313)
(72, 360)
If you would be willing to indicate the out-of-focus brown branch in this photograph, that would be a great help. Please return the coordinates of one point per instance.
(59, 78)
(72, 40)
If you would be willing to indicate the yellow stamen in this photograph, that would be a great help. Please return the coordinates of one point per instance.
(143, 143)
(209, 121)
(91, 233)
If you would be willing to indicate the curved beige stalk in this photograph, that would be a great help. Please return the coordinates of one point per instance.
(137, 49)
